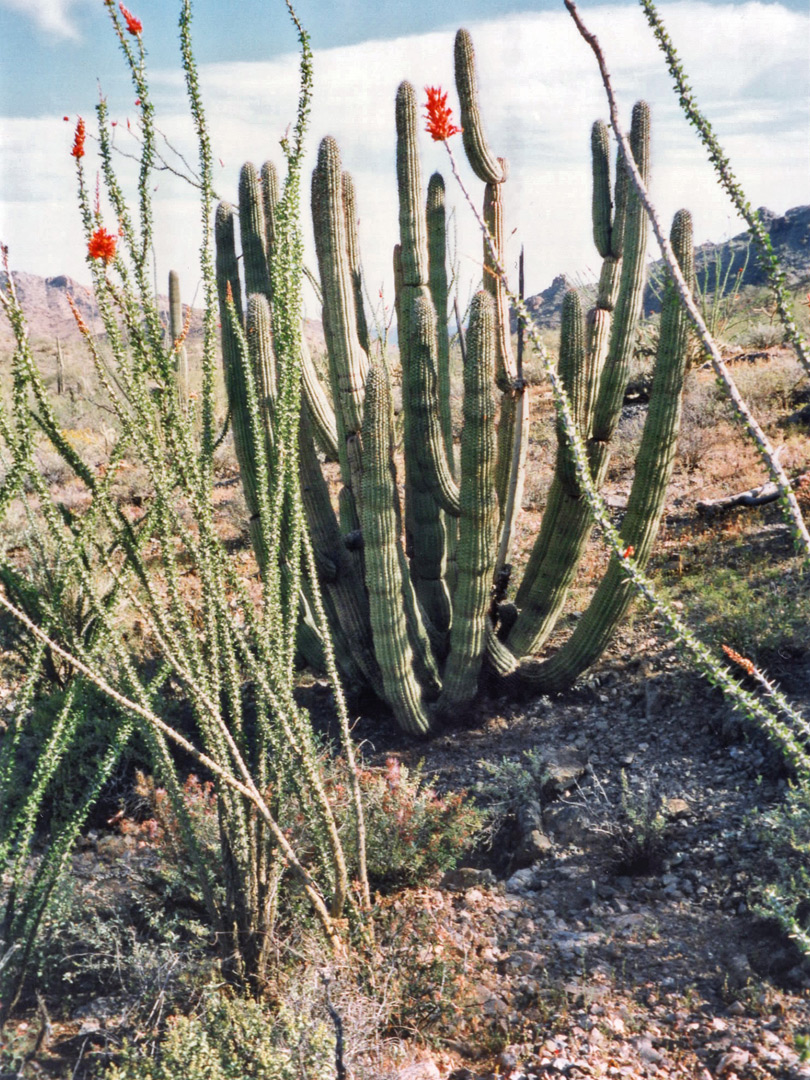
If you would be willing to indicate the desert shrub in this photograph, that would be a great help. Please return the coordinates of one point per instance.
(771, 388)
(412, 832)
(638, 833)
(509, 784)
(233, 1040)
(700, 412)
(417, 966)
(760, 610)
(100, 938)
(783, 894)
(763, 335)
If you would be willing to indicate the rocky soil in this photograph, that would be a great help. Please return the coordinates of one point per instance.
(578, 967)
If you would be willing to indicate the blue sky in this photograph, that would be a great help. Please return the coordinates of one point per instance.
(747, 61)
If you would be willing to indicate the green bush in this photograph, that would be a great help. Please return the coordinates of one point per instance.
(232, 1039)
(411, 831)
(784, 835)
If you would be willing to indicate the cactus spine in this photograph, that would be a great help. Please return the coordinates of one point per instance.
(417, 622)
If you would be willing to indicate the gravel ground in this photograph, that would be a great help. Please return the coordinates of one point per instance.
(577, 968)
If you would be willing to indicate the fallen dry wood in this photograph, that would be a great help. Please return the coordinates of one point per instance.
(753, 497)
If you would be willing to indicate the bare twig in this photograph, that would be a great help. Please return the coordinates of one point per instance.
(460, 326)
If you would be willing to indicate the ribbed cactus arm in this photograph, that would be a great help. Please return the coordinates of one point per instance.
(349, 363)
(645, 505)
(425, 533)
(176, 328)
(227, 265)
(602, 207)
(412, 218)
(437, 272)
(383, 562)
(339, 573)
(566, 525)
(353, 251)
(577, 378)
(259, 335)
(428, 441)
(505, 367)
(483, 162)
(479, 512)
(252, 232)
(269, 175)
(248, 425)
(318, 405)
(631, 289)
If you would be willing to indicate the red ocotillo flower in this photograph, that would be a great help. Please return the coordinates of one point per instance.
(135, 26)
(101, 245)
(439, 115)
(78, 140)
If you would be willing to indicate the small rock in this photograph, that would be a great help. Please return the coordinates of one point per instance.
(495, 1006)
(736, 1008)
(648, 1053)
(466, 877)
(566, 823)
(508, 1060)
(533, 846)
(677, 808)
(739, 970)
(522, 881)
(563, 768)
(529, 816)
(420, 1070)
(102, 1008)
(734, 1061)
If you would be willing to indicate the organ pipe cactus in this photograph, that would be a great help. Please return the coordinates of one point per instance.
(409, 589)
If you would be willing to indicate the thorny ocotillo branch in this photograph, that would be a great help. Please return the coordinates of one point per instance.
(798, 527)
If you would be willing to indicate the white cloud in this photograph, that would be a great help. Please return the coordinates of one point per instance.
(53, 16)
(540, 94)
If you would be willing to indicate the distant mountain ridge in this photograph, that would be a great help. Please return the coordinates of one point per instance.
(790, 237)
(49, 315)
(45, 300)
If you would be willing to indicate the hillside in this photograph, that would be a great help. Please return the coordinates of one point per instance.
(49, 315)
(790, 237)
(45, 300)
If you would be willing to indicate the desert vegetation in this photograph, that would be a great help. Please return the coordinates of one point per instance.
(428, 707)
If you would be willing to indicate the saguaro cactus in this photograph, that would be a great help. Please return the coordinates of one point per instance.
(416, 621)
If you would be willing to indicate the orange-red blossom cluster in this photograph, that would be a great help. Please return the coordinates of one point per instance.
(743, 661)
(439, 115)
(101, 245)
(135, 26)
